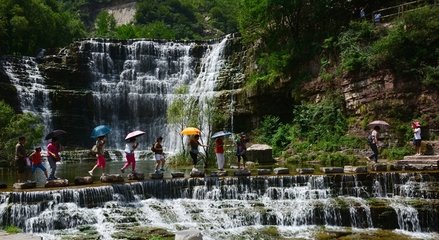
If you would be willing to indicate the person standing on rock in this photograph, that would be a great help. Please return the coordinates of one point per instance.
(36, 158)
(194, 143)
(373, 143)
(20, 159)
(53, 150)
(100, 158)
(241, 150)
(219, 152)
(130, 146)
(416, 126)
(158, 155)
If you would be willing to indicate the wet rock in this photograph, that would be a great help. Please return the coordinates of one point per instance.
(379, 167)
(355, 169)
(264, 171)
(395, 167)
(83, 180)
(177, 174)
(190, 234)
(260, 153)
(197, 173)
(332, 170)
(156, 175)
(279, 171)
(57, 183)
(218, 174)
(25, 185)
(305, 170)
(242, 172)
(387, 220)
(136, 176)
(3, 185)
(112, 178)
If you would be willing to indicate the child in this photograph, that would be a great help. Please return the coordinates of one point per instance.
(36, 157)
(129, 154)
(100, 158)
(158, 155)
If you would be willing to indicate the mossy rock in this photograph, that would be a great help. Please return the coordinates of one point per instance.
(143, 233)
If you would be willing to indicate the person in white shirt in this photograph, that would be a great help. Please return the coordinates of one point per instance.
(374, 144)
(130, 146)
(416, 126)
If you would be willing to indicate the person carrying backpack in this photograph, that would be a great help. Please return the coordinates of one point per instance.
(373, 143)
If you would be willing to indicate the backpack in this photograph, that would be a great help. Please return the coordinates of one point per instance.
(370, 139)
(153, 148)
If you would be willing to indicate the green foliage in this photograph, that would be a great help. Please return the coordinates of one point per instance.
(337, 159)
(26, 26)
(105, 24)
(12, 126)
(396, 153)
(12, 229)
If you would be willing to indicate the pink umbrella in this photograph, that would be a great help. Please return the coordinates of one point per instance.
(134, 134)
(380, 123)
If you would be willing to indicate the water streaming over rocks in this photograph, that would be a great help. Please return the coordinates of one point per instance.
(221, 206)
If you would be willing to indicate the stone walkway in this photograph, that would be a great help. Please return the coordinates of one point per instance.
(18, 236)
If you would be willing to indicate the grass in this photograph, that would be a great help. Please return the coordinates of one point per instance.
(12, 229)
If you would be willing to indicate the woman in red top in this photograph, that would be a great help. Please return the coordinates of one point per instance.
(219, 152)
(36, 158)
(53, 149)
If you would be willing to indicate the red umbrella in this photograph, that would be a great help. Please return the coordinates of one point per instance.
(134, 134)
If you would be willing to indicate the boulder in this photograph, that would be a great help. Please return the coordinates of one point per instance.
(177, 174)
(260, 153)
(264, 171)
(327, 170)
(280, 170)
(355, 169)
(197, 173)
(83, 180)
(379, 167)
(112, 178)
(305, 170)
(156, 175)
(57, 183)
(136, 176)
(190, 234)
(242, 172)
(25, 185)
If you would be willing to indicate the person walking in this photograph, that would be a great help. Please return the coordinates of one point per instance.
(100, 158)
(36, 158)
(219, 152)
(373, 143)
(158, 155)
(241, 150)
(53, 150)
(130, 146)
(20, 159)
(416, 126)
(194, 143)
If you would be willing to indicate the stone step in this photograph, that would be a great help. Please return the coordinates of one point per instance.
(421, 157)
(57, 183)
(432, 160)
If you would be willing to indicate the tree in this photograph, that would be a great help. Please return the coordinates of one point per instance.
(105, 24)
(12, 126)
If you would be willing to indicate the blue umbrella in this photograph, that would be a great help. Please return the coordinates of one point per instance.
(221, 134)
(100, 131)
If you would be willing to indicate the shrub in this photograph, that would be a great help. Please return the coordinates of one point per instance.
(396, 153)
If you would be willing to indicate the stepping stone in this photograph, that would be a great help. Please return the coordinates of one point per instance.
(156, 175)
(57, 183)
(327, 170)
(177, 174)
(197, 173)
(83, 180)
(242, 173)
(112, 178)
(136, 176)
(305, 170)
(379, 167)
(25, 185)
(280, 171)
(3, 185)
(395, 167)
(218, 174)
(355, 169)
(264, 171)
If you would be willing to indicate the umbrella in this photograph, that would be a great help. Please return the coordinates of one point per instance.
(100, 131)
(379, 123)
(134, 134)
(55, 133)
(221, 134)
(190, 131)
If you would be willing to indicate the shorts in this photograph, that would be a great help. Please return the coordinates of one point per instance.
(159, 157)
(100, 161)
(417, 142)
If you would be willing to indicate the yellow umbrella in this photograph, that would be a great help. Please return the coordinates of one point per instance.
(190, 131)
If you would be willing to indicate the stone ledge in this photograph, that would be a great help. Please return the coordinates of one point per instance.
(18, 236)
(355, 169)
(379, 167)
(305, 170)
(112, 178)
(242, 173)
(177, 174)
(57, 183)
(426, 160)
(279, 171)
(83, 180)
(136, 176)
(25, 185)
(331, 170)
(156, 175)
(264, 171)
(197, 173)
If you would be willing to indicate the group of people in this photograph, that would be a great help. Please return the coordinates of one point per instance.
(374, 136)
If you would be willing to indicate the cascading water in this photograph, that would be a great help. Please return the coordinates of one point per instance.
(222, 208)
(135, 83)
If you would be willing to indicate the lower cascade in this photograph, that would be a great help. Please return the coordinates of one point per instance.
(225, 207)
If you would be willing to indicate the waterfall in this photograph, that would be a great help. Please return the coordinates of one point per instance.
(135, 83)
(32, 92)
